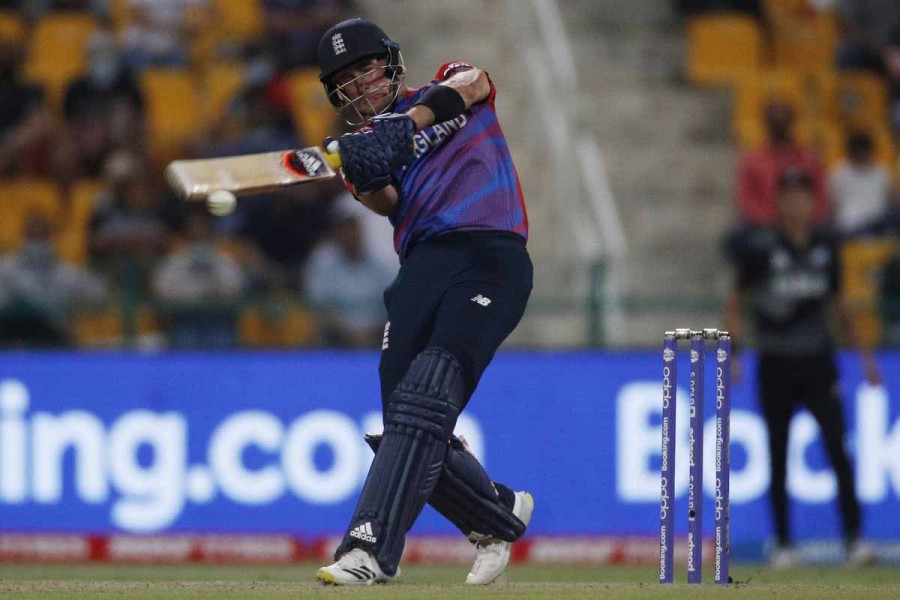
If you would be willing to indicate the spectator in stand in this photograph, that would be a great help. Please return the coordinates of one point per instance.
(294, 27)
(346, 286)
(867, 27)
(860, 189)
(759, 170)
(26, 125)
(103, 109)
(38, 290)
(160, 31)
(199, 289)
(127, 232)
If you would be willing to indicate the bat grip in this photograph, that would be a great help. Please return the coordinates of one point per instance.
(332, 154)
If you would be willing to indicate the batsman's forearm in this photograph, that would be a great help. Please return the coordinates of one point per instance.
(382, 202)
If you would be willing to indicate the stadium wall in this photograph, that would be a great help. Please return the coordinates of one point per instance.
(259, 456)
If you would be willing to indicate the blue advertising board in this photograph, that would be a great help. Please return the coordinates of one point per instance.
(272, 442)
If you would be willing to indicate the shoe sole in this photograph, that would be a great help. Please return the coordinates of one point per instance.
(329, 579)
(326, 578)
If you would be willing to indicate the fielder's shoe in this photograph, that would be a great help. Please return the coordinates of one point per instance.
(357, 567)
(861, 554)
(491, 554)
(783, 557)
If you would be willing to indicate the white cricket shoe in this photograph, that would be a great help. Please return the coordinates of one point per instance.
(783, 557)
(491, 554)
(861, 554)
(356, 567)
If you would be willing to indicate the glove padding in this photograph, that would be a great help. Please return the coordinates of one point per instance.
(365, 162)
(369, 157)
(395, 132)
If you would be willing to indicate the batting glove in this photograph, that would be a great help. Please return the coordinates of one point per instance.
(365, 162)
(395, 132)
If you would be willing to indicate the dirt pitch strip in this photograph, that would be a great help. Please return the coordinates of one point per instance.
(28, 581)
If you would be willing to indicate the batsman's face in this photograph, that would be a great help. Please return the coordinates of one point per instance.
(366, 86)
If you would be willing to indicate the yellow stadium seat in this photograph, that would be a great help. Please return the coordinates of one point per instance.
(223, 81)
(239, 19)
(884, 150)
(18, 199)
(172, 111)
(861, 100)
(723, 47)
(863, 262)
(12, 27)
(120, 14)
(825, 137)
(286, 328)
(805, 44)
(314, 117)
(752, 91)
(785, 9)
(57, 53)
(72, 239)
(106, 328)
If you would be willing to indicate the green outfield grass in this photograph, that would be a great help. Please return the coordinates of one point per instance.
(432, 582)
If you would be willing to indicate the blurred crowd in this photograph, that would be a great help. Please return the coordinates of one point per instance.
(96, 97)
(823, 97)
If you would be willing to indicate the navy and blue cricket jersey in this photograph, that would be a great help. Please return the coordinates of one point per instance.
(463, 178)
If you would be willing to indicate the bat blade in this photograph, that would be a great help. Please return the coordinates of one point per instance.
(250, 173)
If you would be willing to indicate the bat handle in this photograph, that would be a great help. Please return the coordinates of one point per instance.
(332, 153)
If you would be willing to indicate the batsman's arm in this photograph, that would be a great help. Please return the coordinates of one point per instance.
(382, 202)
(451, 97)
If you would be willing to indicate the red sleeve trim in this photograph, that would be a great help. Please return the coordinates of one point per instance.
(450, 68)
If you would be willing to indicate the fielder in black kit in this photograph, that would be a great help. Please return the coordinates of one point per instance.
(789, 276)
(434, 161)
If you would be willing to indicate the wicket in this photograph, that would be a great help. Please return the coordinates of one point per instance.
(695, 454)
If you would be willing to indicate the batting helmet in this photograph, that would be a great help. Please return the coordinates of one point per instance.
(349, 42)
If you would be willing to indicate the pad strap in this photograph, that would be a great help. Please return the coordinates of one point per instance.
(467, 497)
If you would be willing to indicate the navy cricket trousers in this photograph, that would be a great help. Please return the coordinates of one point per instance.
(464, 292)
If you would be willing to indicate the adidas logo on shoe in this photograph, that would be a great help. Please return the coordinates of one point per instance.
(364, 532)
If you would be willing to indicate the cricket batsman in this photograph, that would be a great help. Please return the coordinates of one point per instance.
(434, 161)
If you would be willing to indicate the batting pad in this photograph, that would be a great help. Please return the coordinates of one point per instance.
(467, 497)
(419, 421)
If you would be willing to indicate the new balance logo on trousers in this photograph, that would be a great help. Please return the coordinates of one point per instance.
(482, 300)
(364, 532)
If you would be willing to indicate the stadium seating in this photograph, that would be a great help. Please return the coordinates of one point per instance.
(12, 27)
(313, 115)
(751, 93)
(805, 43)
(18, 198)
(238, 19)
(57, 52)
(861, 100)
(72, 239)
(863, 262)
(222, 82)
(172, 109)
(261, 328)
(723, 48)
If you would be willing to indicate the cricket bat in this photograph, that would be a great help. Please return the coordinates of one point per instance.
(251, 173)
